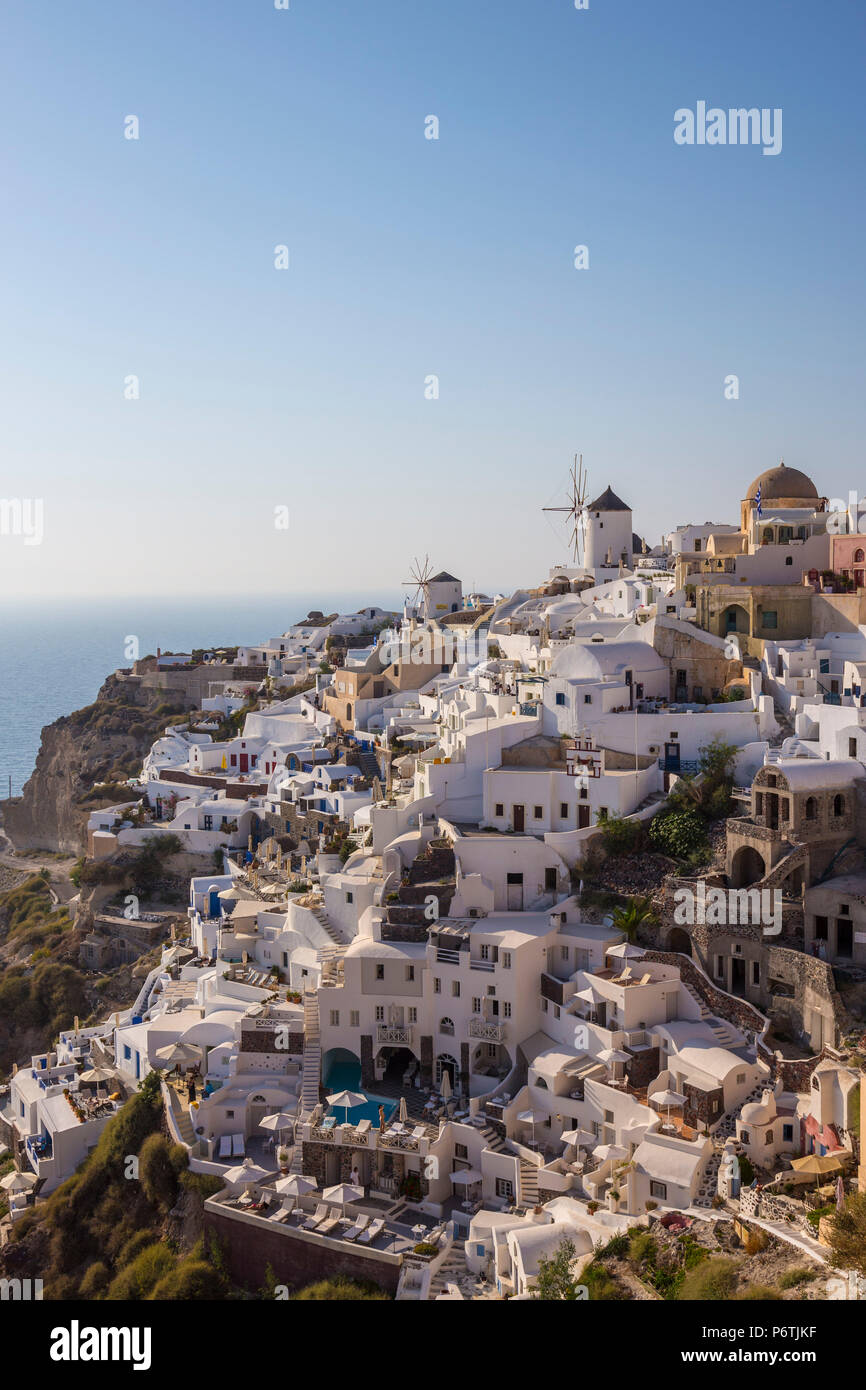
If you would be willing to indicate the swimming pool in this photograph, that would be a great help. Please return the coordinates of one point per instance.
(346, 1076)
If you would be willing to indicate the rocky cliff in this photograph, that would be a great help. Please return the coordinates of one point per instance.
(104, 742)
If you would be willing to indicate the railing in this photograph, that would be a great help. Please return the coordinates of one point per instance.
(490, 1032)
(386, 1033)
(326, 1136)
(482, 965)
(398, 1141)
(446, 957)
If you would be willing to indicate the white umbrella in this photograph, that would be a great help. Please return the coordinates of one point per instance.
(667, 1100)
(403, 1113)
(613, 1054)
(581, 1138)
(531, 1117)
(348, 1100)
(248, 1172)
(281, 1121)
(445, 1086)
(605, 1151)
(342, 1193)
(465, 1177)
(626, 951)
(177, 1052)
(295, 1185)
(18, 1182)
(590, 995)
(97, 1074)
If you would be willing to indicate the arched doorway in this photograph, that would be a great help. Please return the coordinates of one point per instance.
(680, 941)
(747, 867)
(341, 1070)
(397, 1062)
(444, 1063)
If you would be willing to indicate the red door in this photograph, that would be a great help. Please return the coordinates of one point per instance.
(245, 762)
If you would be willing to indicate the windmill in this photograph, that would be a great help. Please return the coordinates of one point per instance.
(576, 505)
(420, 580)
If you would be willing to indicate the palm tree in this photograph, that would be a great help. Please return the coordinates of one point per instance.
(627, 919)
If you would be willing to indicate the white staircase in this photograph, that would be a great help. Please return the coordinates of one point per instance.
(312, 1055)
(528, 1184)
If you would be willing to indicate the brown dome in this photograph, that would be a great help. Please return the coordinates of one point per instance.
(783, 484)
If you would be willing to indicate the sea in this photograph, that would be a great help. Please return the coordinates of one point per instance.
(55, 654)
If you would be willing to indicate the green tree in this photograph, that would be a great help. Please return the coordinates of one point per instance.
(555, 1279)
(636, 912)
(156, 1172)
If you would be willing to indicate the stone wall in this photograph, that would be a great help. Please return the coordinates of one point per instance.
(295, 1258)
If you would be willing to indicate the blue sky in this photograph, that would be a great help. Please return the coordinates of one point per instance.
(410, 257)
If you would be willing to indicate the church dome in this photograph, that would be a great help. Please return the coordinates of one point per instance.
(783, 484)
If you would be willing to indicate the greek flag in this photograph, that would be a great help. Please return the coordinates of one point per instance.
(758, 500)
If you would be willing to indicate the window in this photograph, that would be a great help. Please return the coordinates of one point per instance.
(437, 985)
(563, 810)
(659, 1189)
(446, 1025)
(380, 972)
(811, 808)
(455, 989)
(413, 1015)
(350, 897)
(354, 1019)
(208, 823)
(820, 928)
(461, 1151)
(787, 1134)
(681, 677)
(563, 953)
(560, 697)
(505, 1189)
(838, 805)
(537, 812)
(476, 1004)
(756, 972)
(380, 1013)
(500, 809)
(608, 1117)
(741, 1078)
(770, 618)
(485, 951)
(744, 1136)
(505, 959)
(852, 748)
(335, 1018)
(410, 972)
(506, 1010)
(587, 699)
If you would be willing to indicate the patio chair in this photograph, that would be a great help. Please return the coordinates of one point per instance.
(419, 1132)
(237, 1146)
(320, 1214)
(329, 1122)
(368, 1236)
(358, 1229)
(364, 1126)
(284, 1212)
(225, 1148)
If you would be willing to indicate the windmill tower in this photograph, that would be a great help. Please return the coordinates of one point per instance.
(420, 582)
(575, 508)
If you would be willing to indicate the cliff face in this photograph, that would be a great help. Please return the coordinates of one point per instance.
(104, 742)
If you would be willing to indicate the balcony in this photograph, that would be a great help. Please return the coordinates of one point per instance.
(482, 965)
(446, 957)
(390, 1033)
(486, 1031)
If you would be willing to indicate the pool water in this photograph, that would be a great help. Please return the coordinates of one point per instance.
(346, 1076)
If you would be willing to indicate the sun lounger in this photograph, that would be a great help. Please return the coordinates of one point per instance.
(329, 1122)
(358, 1229)
(237, 1146)
(419, 1131)
(320, 1214)
(364, 1126)
(284, 1212)
(366, 1237)
(225, 1148)
(325, 1227)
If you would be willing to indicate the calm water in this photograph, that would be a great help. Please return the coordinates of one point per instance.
(346, 1076)
(54, 656)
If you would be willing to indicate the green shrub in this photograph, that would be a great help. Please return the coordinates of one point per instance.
(95, 1281)
(156, 1172)
(619, 836)
(678, 833)
(141, 1276)
(341, 1290)
(793, 1278)
(713, 1279)
(642, 1247)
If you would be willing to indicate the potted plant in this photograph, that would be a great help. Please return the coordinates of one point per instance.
(283, 1160)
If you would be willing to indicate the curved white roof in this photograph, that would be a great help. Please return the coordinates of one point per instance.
(803, 773)
(581, 662)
